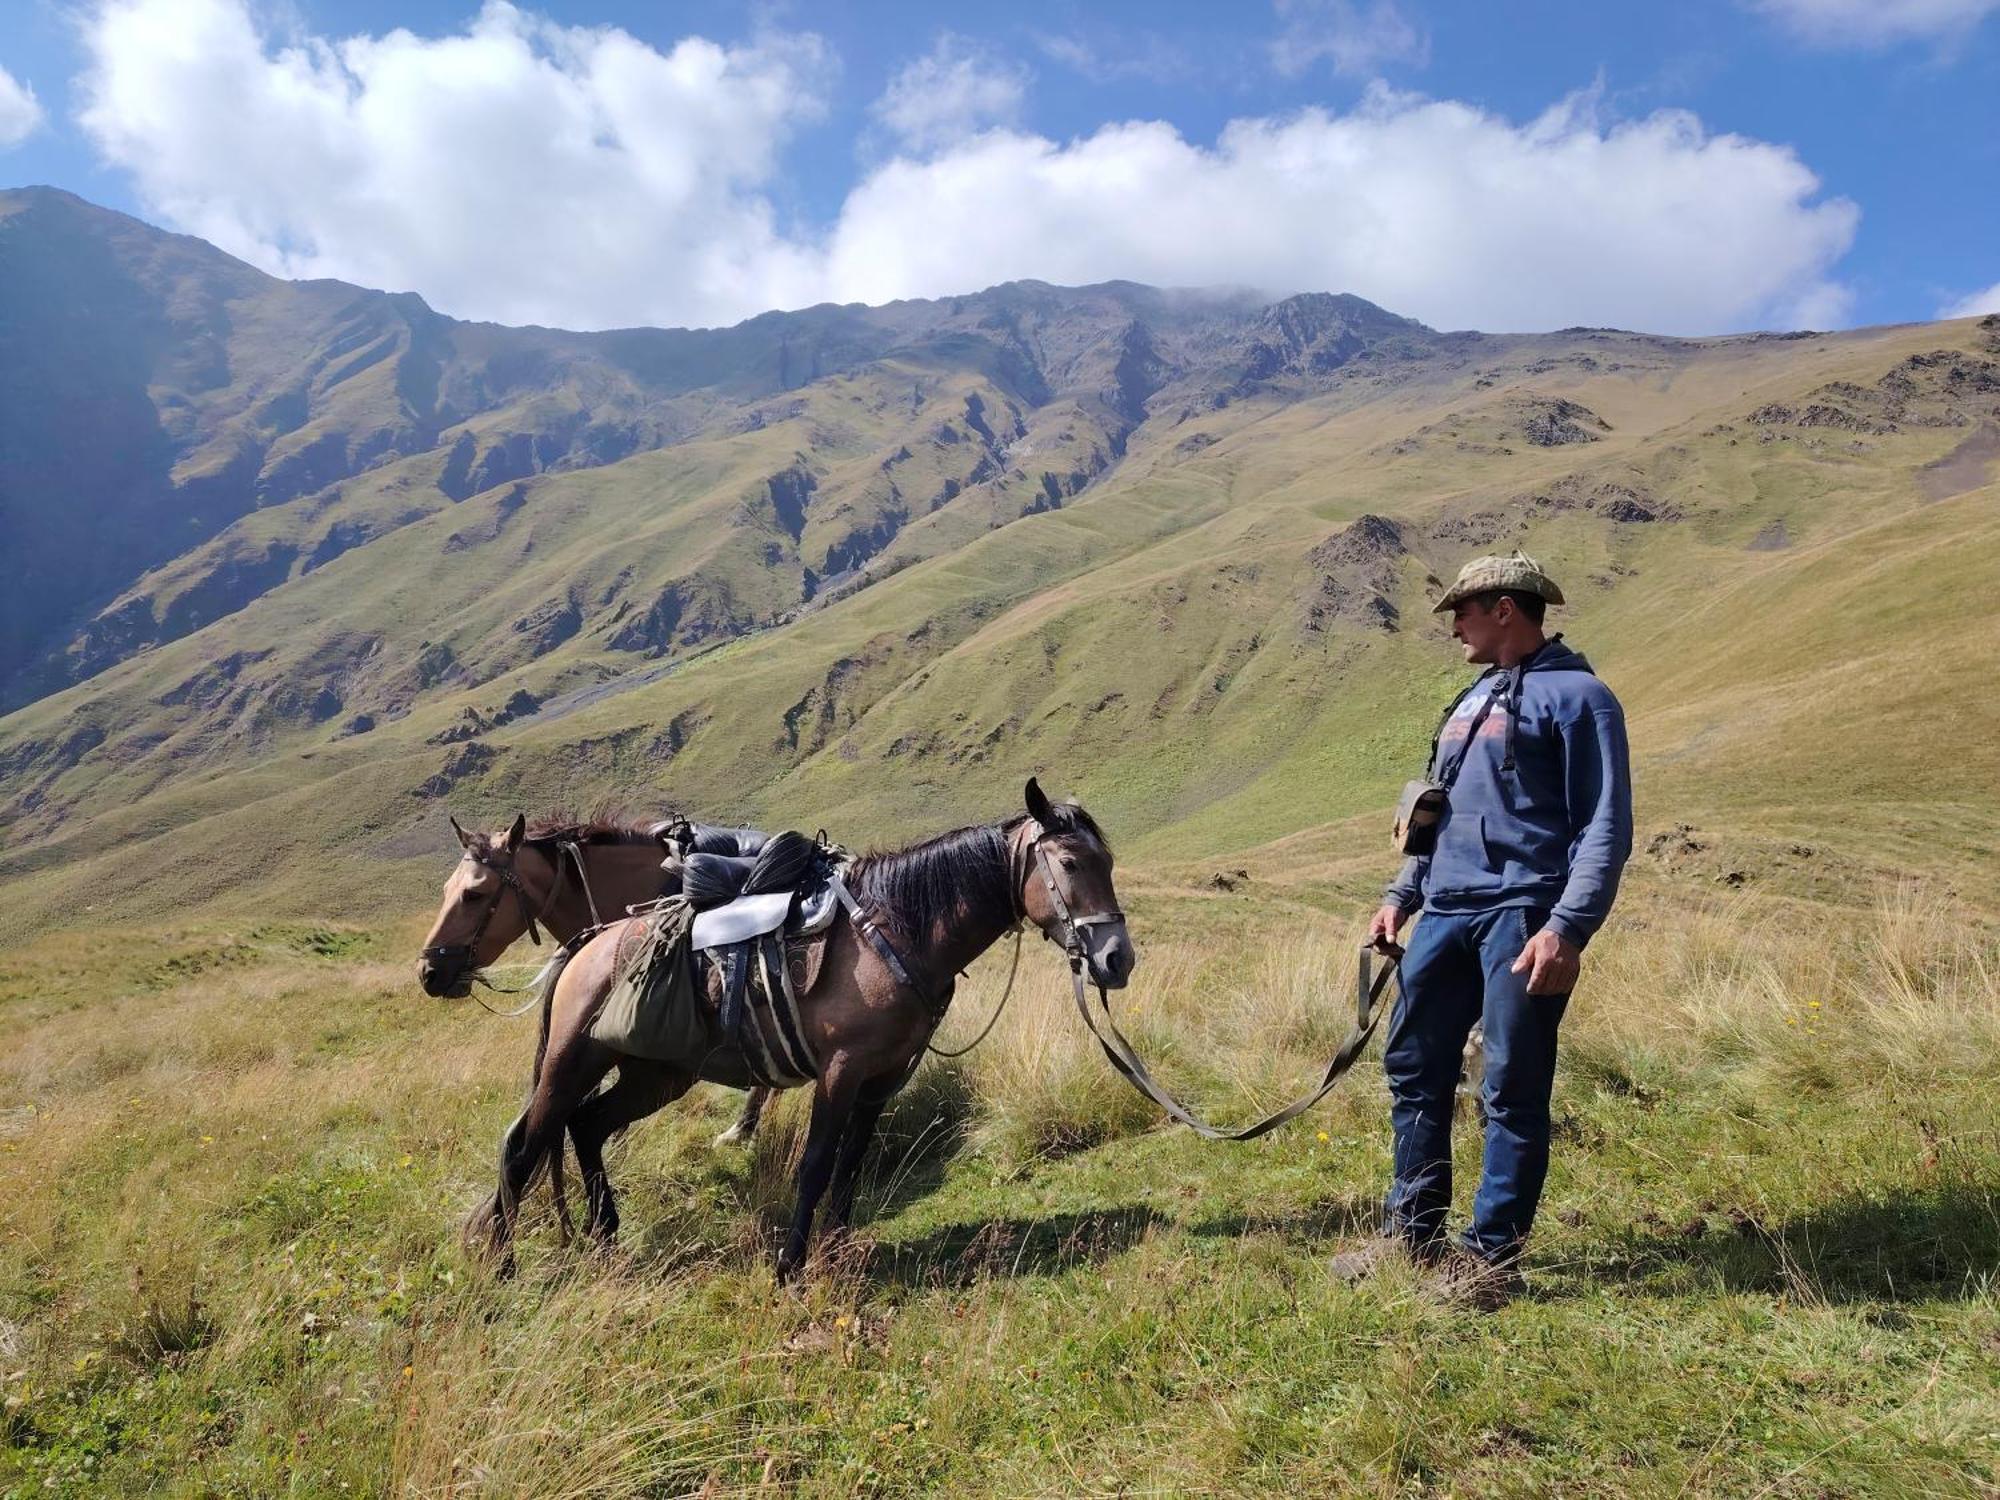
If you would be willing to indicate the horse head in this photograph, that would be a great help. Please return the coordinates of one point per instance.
(1066, 888)
(489, 901)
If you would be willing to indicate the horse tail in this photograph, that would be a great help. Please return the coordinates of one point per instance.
(557, 1188)
(556, 968)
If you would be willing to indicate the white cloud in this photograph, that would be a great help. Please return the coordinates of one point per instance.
(1877, 23)
(1431, 208)
(524, 171)
(20, 114)
(958, 89)
(521, 171)
(1146, 55)
(1975, 305)
(1354, 39)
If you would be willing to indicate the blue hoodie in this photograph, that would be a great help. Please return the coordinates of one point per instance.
(1553, 830)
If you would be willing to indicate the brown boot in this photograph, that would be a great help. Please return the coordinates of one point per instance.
(1466, 1280)
(1363, 1258)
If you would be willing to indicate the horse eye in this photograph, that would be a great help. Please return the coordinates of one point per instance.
(1069, 861)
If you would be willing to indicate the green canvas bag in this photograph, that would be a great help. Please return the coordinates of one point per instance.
(653, 1010)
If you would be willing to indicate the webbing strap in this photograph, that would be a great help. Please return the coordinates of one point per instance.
(1368, 990)
(877, 939)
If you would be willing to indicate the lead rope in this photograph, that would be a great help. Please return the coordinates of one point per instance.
(1368, 990)
(575, 853)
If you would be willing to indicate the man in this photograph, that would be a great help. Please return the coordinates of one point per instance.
(1537, 827)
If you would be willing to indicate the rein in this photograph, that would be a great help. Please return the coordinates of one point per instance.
(1369, 986)
(1072, 942)
(994, 1019)
(533, 987)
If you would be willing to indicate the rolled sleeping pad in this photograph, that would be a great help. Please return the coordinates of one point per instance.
(714, 879)
(782, 864)
(707, 838)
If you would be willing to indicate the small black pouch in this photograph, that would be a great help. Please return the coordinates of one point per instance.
(1417, 817)
(1424, 802)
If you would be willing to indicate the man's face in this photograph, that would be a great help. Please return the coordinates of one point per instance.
(1479, 629)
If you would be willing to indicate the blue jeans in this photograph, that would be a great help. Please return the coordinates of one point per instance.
(1456, 972)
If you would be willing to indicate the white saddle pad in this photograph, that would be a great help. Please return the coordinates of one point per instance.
(745, 917)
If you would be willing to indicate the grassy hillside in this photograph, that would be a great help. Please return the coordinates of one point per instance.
(1220, 642)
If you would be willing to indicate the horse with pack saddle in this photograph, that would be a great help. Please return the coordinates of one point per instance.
(753, 961)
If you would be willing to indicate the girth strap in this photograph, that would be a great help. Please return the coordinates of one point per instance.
(1368, 990)
(735, 984)
(784, 1003)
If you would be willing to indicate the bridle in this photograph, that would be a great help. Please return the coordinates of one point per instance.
(1034, 847)
(510, 880)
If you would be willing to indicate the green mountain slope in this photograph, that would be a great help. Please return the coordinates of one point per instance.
(866, 567)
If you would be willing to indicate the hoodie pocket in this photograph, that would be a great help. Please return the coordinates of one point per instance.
(1462, 861)
(1525, 846)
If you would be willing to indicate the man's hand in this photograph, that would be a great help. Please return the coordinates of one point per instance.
(1386, 924)
(1551, 962)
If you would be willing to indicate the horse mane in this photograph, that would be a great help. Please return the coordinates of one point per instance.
(920, 886)
(600, 825)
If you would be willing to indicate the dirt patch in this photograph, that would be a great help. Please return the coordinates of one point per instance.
(1773, 538)
(1966, 467)
(1354, 576)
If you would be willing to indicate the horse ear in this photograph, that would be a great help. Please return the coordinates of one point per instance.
(1038, 804)
(464, 838)
(517, 831)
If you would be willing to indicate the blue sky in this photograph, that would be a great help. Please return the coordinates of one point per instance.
(1688, 168)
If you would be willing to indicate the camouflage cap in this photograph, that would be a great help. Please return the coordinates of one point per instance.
(1484, 574)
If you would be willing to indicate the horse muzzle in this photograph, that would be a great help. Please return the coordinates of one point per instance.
(1109, 953)
(444, 981)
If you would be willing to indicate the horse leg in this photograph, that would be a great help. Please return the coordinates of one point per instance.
(642, 1087)
(831, 1107)
(853, 1150)
(746, 1123)
(571, 1073)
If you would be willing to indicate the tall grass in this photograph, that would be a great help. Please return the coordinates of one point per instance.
(228, 1257)
(1781, 998)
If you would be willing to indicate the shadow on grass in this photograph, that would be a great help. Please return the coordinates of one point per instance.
(961, 1254)
(1309, 1224)
(1909, 1245)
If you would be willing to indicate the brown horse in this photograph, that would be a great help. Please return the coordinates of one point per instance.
(558, 872)
(935, 906)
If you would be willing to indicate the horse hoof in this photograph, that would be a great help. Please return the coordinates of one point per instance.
(731, 1136)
